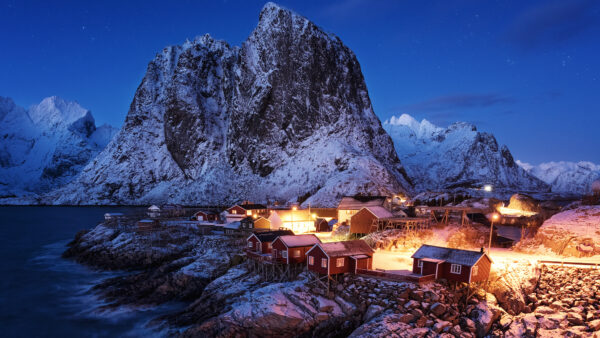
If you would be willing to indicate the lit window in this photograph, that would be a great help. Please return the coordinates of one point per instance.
(249, 244)
(419, 263)
(270, 245)
(249, 212)
(475, 270)
(455, 268)
(339, 262)
(234, 211)
(311, 260)
(323, 262)
(284, 254)
(296, 253)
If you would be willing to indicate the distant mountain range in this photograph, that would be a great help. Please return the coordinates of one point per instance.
(457, 157)
(285, 116)
(566, 177)
(45, 146)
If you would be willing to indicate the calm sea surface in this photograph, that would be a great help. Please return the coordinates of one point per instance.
(43, 295)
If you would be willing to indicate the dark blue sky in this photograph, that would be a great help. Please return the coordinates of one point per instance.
(529, 72)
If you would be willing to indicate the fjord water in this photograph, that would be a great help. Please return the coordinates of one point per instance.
(44, 295)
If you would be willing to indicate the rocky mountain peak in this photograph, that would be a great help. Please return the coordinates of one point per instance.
(54, 111)
(286, 115)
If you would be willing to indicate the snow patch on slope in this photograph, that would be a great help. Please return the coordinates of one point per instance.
(455, 157)
(568, 177)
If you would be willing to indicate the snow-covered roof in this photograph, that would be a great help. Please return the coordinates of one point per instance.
(346, 248)
(233, 225)
(206, 212)
(333, 222)
(449, 255)
(146, 221)
(269, 236)
(379, 212)
(359, 202)
(154, 208)
(292, 241)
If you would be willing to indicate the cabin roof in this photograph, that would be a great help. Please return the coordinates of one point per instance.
(449, 255)
(293, 241)
(359, 202)
(269, 236)
(233, 225)
(346, 248)
(379, 212)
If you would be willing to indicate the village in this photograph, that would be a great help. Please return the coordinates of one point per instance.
(385, 237)
(459, 265)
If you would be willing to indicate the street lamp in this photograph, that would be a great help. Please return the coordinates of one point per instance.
(494, 218)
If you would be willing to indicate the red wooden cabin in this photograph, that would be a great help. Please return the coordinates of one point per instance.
(362, 221)
(452, 264)
(205, 215)
(261, 242)
(340, 257)
(249, 210)
(321, 225)
(292, 249)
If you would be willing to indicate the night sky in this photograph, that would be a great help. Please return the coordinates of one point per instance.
(529, 72)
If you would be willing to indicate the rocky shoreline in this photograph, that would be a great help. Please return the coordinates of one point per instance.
(226, 299)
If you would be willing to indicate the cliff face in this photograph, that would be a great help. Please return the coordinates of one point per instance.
(456, 157)
(45, 146)
(285, 115)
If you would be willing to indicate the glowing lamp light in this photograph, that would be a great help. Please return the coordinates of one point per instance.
(495, 217)
(255, 216)
(294, 208)
(314, 216)
(487, 187)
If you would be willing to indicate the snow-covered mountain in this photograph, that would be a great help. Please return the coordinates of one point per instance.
(459, 156)
(45, 146)
(566, 177)
(285, 115)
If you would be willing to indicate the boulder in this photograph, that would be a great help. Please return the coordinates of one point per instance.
(594, 325)
(372, 312)
(530, 323)
(321, 316)
(484, 316)
(438, 309)
(575, 318)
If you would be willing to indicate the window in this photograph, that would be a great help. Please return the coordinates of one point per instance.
(270, 245)
(475, 270)
(249, 213)
(250, 244)
(455, 268)
(284, 254)
(339, 262)
(311, 260)
(234, 211)
(323, 262)
(419, 263)
(296, 253)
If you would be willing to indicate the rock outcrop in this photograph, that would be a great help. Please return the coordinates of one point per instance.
(285, 115)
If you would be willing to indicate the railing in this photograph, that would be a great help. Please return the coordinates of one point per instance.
(258, 256)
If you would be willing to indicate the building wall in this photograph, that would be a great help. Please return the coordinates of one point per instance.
(262, 223)
(348, 265)
(318, 254)
(444, 272)
(252, 240)
(361, 222)
(237, 210)
(280, 247)
(428, 268)
(484, 265)
(364, 263)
